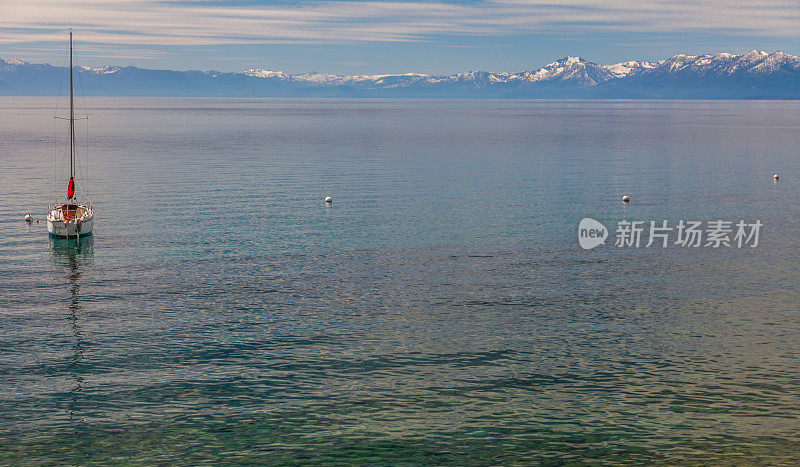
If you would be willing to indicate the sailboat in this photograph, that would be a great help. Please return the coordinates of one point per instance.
(71, 218)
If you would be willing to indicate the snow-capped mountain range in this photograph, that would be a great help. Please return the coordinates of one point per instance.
(714, 76)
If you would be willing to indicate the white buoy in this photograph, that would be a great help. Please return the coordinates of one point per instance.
(777, 176)
(328, 199)
(28, 218)
(626, 199)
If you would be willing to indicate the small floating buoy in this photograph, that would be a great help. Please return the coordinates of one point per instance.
(626, 199)
(328, 199)
(28, 218)
(777, 176)
(37, 221)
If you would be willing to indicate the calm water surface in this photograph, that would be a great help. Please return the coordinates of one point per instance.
(439, 311)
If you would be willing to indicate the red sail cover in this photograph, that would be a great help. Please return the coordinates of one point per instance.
(71, 188)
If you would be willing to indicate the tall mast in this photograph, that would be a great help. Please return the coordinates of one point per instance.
(71, 115)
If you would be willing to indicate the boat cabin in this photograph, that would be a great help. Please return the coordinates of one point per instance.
(68, 212)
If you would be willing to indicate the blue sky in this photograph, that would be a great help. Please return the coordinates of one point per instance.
(389, 36)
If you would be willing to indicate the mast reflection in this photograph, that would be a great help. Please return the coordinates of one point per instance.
(73, 256)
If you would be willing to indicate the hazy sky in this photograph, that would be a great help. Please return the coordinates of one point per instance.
(353, 36)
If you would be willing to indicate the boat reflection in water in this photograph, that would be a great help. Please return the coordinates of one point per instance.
(72, 256)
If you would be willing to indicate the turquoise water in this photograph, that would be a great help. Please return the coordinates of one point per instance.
(439, 311)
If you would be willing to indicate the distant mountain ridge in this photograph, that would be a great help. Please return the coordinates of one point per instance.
(755, 75)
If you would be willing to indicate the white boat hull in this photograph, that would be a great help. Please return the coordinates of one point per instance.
(72, 227)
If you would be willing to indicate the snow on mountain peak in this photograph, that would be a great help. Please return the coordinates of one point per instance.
(103, 70)
(13, 62)
(572, 69)
(622, 69)
(259, 73)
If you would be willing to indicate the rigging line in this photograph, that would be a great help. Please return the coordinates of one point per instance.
(85, 168)
(80, 188)
(55, 138)
(60, 84)
(55, 158)
(80, 81)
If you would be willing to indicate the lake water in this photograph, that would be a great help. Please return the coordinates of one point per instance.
(440, 310)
